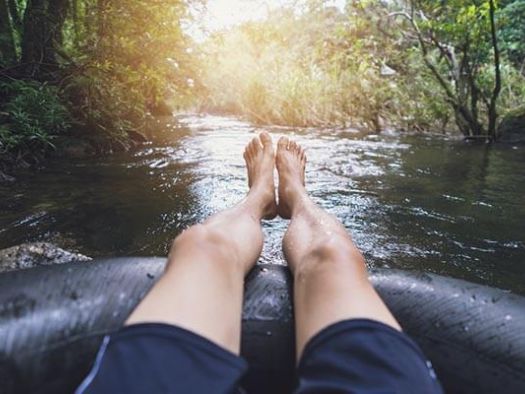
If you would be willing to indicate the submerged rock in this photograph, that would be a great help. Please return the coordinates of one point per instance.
(30, 255)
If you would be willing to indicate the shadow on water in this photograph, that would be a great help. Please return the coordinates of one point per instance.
(123, 204)
(411, 201)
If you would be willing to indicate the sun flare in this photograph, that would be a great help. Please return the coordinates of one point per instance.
(226, 13)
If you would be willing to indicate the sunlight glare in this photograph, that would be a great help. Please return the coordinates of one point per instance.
(227, 13)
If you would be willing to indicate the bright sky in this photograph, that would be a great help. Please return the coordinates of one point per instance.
(226, 13)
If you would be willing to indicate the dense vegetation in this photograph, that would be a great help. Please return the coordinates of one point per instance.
(94, 70)
(87, 69)
(414, 65)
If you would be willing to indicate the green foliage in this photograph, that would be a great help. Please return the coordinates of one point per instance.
(126, 64)
(102, 65)
(317, 65)
(34, 115)
(461, 46)
(513, 93)
(106, 66)
(512, 24)
(322, 67)
(104, 101)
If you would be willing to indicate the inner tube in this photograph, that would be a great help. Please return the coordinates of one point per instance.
(53, 319)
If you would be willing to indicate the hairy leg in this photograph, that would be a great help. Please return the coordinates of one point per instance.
(202, 287)
(330, 276)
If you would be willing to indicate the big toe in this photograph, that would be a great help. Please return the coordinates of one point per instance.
(266, 141)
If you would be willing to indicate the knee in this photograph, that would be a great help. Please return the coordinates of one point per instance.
(331, 248)
(202, 239)
(334, 254)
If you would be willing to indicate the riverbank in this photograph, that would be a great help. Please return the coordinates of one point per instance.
(66, 147)
(370, 66)
(73, 144)
(80, 78)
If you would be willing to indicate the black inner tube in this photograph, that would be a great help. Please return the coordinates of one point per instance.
(52, 320)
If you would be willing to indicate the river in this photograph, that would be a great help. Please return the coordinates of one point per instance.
(411, 201)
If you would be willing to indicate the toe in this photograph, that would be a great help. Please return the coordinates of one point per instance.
(248, 150)
(256, 145)
(300, 151)
(293, 146)
(251, 148)
(266, 141)
(283, 143)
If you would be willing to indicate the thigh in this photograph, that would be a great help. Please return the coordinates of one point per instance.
(364, 356)
(160, 358)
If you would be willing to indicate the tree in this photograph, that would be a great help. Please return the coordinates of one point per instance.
(512, 23)
(458, 43)
(104, 65)
(42, 36)
(7, 39)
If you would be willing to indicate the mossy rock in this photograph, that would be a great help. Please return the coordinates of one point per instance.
(512, 126)
(30, 255)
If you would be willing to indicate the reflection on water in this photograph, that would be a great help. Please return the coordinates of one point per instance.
(410, 201)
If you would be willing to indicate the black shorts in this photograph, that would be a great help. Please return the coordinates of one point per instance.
(352, 356)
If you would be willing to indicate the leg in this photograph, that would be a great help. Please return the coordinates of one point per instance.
(330, 276)
(202, 287)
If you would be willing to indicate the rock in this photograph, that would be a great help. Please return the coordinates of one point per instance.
(512, 127)
(30, 255)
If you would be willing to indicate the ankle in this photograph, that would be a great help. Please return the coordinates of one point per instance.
(260, 204)
(296, 198)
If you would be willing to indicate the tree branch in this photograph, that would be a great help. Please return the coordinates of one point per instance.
(15, 14)
(424, 50)
(497, 72)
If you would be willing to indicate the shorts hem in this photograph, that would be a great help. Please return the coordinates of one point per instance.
(349, 325)
(179, 334)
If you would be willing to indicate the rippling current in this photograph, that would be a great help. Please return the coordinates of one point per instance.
(424, 202)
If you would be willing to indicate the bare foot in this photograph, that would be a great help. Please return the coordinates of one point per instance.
(260, 161)
(291, 163)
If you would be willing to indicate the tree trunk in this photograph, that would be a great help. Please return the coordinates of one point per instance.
(7, 38)
(15, 14)
(35, 37)
(43, 22)
(102, 22)
(57, 12)
(493, 114)
(75, 10)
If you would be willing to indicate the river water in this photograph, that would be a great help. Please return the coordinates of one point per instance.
(423, 202)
